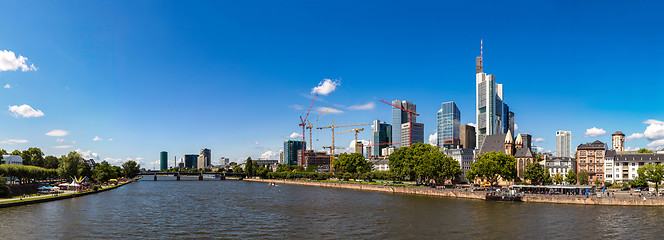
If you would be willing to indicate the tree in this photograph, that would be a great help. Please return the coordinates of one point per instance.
(643, 150)
(558, 178)
(597, 182)
(547, 176)
(491, 166)
(237, 169)
(130, 169)
(535, 173)
(351, 163)
(423, 162)
(33, 156)
(312, 168)
(51, 162)
(69, 165)
(249, 167)
(582, 177)
(84, 170)
(653, 173)
(104, 172)
(571, 177)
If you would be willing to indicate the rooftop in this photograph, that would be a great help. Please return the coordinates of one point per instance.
(592, 146)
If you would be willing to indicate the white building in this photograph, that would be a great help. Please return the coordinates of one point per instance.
(464, 156)
(626, 165)
(387, 151)
(560, 165)
(564, 144)
(380, 164)
(12, 159)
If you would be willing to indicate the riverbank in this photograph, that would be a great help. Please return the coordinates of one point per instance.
(456, 193)
(48, 198)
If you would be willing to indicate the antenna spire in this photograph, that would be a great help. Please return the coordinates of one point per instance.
(481, 43)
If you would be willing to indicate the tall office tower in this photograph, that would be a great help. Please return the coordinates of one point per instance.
(467, 136)
(190, 161)
(290, 151)
(618, 141)
(163, 159)
(400, 117)
(449, 119)
(223, 161)
(381, 136)
(205, 158)
(493, 115)
(417, 137)
(564, 144)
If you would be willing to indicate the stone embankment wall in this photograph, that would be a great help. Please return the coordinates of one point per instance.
(561, 199)
(379, 188)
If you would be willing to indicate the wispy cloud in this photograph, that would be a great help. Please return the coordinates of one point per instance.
(7, 86)
(63, 146)
(25, 111)
(296, 107)
(12, 141)
(331, 110)
(59, 140)
(594, 132)
(325, 87)
(634, 136)
(97, 139)
(539, 140)
(366, 106)
(9, 62)
(295, 135)
(57, 133)
(270, 155)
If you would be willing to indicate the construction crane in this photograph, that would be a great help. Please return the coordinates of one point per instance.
(303, 123)
(332, 127)
(410, 120)
(356, 130)
(311, 126)
(332, 155)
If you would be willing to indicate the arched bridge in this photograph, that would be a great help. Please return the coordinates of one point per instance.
(220, 175)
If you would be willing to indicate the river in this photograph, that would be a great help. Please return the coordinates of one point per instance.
(236, 209)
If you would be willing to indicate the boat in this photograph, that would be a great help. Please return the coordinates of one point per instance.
(273, 184)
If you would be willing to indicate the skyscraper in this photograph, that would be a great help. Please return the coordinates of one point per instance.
(163, 160)
(467, 136)
(493, 115)
(417, 135)
(290, 151)
(449, 119)
(400, 117)
(204, 158)
(564, 144)
(381, 134)
(190, 161)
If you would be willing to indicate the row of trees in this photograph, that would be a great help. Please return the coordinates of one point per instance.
(424, 163)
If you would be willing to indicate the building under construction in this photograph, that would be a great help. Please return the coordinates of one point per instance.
(312, 158)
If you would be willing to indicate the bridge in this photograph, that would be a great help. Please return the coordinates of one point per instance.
(220, 175)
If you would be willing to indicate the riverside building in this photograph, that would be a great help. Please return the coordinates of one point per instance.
(290, 151)
(381, 137)
(204, 158)
(590, 158)
(399, 117)
(449, 120)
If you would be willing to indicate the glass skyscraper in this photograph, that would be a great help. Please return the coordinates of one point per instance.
(449, 120)
(493, 115)
(290, 151)
(163, 160)
(381, 133)
(400, 117)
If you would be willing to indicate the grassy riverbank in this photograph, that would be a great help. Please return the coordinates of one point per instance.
(48, 198)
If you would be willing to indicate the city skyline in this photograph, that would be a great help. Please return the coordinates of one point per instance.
(178, 78)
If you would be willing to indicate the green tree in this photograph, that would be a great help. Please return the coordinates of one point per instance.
(237, 169)
(653, 173)
(104, 172)
(582, 177)
(130, 169)
(51, 162)
(643, 150)
(84, 170)
(312, 168)
(351, 163)
(558, 178)
(249, 167)
(423, 162)
(597, 182)
(491, 166)
(68, 166)
(535, 173)
(33, 156)
(571, 177)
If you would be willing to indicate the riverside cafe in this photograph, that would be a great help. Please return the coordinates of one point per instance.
(555, 189)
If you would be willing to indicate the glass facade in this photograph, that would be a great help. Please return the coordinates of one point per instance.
(163, 160)
(381, 133)
(400, 117)
(449, 120)
(290, 151)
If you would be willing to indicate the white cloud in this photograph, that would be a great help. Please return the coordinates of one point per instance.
(295, 135)
(472, 124)
(366, 106)
(351, 146)
(88, 154)
(9, 62)
(63, 146)
(656, 144)
(12, 141)
(296, 107)
(539, 140)
(325, 87)
(24, 111)
(631, 149)
(270, 155)
(331, 110)
(594, 132)
(433, 139)
(59, 140)
(114, 161)
(7, 86)
(97, 139)
(655, 131)
(634, 136)
(110, 139)
(57, 133)
(516, 128)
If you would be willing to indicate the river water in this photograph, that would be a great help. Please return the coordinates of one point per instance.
(236, 209)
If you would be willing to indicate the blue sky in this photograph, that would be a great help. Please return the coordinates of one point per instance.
(231, 76)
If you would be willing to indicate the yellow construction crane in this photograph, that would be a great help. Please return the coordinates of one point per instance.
(357, 130)
(332, 127)
(311, 125)
(331, 155)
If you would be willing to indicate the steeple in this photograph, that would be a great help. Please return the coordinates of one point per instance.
(519, 141)
(508, 137)
(509, 143)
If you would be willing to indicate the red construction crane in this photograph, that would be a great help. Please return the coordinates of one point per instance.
(303, 123)
(410, 120)
(311, 126)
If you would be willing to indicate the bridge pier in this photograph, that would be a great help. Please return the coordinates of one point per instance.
(200, 177)
(155, 177)
(178, 177)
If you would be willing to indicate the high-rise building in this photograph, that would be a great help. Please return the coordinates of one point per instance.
(381, 136)
(618, 141)
(467, 136)
(564, 144)
(417, 136)
(493, 115)
(290, 151)
(223, 161)
(204, 158)
(527, 140)
(400, 117)
(190, 161)
(163, 160)
(449, 119)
